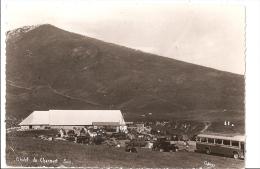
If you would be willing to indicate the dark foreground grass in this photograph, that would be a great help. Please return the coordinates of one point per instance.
(102, 156)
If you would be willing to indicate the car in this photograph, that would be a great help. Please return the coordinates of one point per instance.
(96, 140)
(165, 147)
(71, 139)
(136, 142)
(112, 142)
(170, 148)
(82, 139)
(71, 133)
(130, 149)
(156, 146)
(119, 136)
(161, 139)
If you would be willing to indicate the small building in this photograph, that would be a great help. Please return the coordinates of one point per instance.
(70, 119)
(140, 127)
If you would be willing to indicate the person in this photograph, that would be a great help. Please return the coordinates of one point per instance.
(186, 145)
(61, 133)
(150, 145)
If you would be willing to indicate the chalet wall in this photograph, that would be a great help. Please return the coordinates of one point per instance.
(68, 127)
(24, 127)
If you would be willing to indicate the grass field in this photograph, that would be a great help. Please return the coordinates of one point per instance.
(21, 144)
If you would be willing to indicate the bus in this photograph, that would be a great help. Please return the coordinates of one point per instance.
(230, 146)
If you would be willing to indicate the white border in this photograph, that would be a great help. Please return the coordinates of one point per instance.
(252, 77)
(3, 61)
(252, 84)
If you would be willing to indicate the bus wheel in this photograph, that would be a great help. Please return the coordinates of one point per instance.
(207, 151)
(235, 155)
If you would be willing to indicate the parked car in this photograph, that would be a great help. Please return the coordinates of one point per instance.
(82, 139)
(70, 138)
(157, 145)
(170, 148)
(136, 142)
(71, 133)
(96, 140)
(112, 142)
(165, 146)
(161, 139)
(119, 136)
(130, 149)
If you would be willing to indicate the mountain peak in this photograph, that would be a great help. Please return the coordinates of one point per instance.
(19, 31)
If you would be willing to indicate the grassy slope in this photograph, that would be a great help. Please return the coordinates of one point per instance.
(68, 71)
(101, 156)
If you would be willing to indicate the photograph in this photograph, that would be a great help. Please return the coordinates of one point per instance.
(124, 84)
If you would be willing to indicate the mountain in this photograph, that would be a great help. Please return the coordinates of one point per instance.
(50, 68)
(19, 31)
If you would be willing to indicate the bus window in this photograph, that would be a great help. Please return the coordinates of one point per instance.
(235, 143)
(210, 140)
(203, 140)
(226, 142)
(218, 141)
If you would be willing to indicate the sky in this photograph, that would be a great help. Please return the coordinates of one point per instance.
(208, 35)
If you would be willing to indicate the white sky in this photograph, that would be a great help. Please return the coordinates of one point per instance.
(208, 35)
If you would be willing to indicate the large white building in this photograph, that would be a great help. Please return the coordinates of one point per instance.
(69, 119)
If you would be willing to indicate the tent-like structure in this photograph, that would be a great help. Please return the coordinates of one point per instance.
(73, 118)
(37, 118)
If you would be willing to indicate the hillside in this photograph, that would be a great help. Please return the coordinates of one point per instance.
(49, 68)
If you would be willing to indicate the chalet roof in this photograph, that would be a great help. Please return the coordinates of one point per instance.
(74, 117)
(84, 117)
(37, 118)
